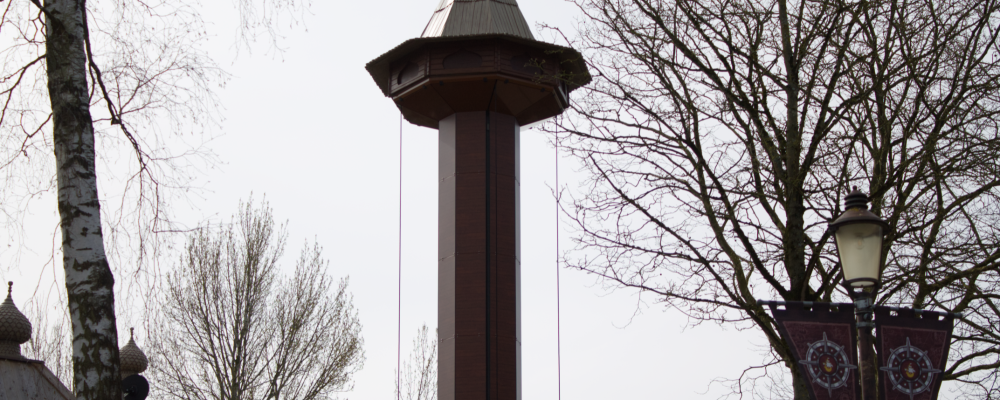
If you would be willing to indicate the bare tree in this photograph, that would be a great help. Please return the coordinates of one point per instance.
(721, 136)
(50, 341)
(115, 62)
(419, 372)
(233, 329)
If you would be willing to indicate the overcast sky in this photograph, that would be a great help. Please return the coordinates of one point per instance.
(309, 129)
(313, 132)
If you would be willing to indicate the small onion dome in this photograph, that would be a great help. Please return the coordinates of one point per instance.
(133, 360)
(15, 329)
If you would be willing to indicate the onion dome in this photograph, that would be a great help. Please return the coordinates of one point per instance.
(15, 329)
(133, 360)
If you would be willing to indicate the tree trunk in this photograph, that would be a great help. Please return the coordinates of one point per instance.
(89, 282)
(800, 386)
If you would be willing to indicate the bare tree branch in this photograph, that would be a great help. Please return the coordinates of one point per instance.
(720, 137)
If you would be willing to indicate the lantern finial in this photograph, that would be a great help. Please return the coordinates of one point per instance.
(856, 199)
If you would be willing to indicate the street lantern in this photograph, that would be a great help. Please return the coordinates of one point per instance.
(858, 235)
(824, 329)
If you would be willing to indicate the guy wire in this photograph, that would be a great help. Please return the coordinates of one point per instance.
(399, 277)
(558, 298)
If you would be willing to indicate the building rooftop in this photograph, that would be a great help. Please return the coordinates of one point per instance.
(30, 380)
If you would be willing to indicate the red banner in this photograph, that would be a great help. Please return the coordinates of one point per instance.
(912, 351)
(823, 338)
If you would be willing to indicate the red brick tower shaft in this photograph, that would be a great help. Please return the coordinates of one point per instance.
(478, 257)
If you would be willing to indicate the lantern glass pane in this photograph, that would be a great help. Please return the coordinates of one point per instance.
(860, 248)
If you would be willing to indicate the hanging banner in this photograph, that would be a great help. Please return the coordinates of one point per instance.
(823, 338)
(912, 348)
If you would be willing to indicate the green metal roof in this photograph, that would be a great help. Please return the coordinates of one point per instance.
(477, 17)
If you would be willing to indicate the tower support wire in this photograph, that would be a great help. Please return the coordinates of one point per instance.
(558, 298)
(399, 277)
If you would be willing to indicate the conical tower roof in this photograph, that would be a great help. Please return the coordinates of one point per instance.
(477, 17)
(15, 329)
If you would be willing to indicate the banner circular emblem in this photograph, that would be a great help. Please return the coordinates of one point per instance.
(909, 370)
(828, 364)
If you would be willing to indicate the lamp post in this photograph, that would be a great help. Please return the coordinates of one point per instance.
(858, 235)
(912, 344)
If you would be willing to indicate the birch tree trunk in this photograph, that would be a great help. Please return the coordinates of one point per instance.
(89, 282)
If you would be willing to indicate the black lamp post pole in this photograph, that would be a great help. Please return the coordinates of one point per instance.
(866, 344)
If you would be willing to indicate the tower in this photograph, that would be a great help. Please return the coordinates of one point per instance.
(477, 75)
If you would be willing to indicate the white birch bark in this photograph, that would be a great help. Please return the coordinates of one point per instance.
(89, 281)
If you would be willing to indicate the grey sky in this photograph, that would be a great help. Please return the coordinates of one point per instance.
(310, 130)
